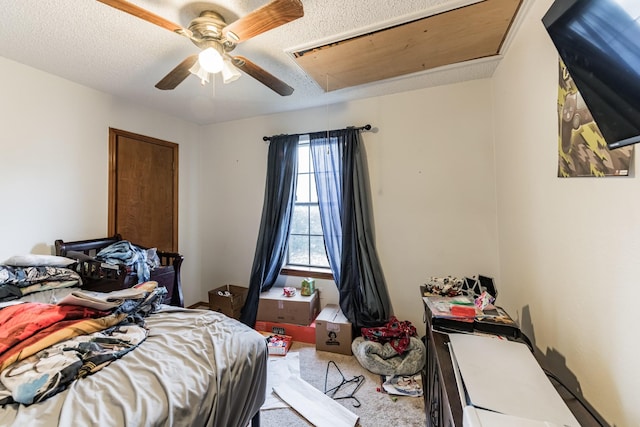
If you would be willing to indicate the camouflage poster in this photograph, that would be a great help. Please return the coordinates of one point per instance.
(582, 151)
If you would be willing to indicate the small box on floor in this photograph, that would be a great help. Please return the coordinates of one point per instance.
(333, 330)
(277, 345)
(228, 300)
(298, 309)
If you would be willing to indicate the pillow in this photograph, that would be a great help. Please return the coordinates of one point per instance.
(33, 260)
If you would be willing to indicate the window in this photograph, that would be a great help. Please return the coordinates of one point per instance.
(306, 242)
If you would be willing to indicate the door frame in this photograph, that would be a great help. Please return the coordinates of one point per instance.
(113, 171)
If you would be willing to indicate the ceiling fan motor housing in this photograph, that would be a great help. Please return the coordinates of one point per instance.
(207, 32)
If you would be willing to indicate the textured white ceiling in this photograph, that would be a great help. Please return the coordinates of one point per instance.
(100, 47)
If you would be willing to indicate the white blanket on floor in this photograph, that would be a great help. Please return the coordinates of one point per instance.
(318, 408)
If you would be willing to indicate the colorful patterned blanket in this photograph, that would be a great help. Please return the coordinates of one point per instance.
(52, 369)
(44, 347)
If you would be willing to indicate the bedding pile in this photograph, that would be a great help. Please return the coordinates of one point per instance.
(45, 347)
(17, 281)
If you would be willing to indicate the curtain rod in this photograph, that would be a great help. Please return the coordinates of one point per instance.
(365, 128)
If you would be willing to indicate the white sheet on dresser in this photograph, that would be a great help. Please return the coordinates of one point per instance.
(504, 377)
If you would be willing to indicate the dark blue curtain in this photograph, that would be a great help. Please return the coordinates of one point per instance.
(279, 195)
(343, 195)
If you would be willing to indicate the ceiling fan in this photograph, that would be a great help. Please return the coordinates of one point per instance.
(216, 39)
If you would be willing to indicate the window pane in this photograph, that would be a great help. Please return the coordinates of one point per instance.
(314, 220)
(302, 191)
(311, 169)
(313, 192)
(303, 158)
(300, 220)
(318, 253)
(299, 250)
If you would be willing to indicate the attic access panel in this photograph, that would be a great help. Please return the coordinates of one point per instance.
(470, 32)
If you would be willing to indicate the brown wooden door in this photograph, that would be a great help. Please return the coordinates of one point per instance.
(143, 190)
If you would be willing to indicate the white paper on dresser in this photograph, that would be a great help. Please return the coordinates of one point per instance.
(503, 376)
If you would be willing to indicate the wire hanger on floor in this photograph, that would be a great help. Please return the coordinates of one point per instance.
(357, 380)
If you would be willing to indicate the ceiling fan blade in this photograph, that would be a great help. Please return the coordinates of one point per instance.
(178, 74)
(262, 76)
(265, 18)
(144, 14)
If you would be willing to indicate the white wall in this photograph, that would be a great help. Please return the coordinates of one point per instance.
(569, 247)
(432, 182)
(54, 163)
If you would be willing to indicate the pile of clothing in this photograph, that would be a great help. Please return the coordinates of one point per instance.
(45, 347)
(123, 252)
(22, 275)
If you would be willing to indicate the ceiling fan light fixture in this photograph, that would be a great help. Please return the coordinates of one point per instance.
(229, 72)
(199, 71)
(211, 60)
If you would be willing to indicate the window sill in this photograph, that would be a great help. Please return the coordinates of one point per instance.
(316, 273)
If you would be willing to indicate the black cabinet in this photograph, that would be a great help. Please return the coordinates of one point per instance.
(441, 398)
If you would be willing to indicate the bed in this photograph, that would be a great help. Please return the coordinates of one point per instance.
(194, 368)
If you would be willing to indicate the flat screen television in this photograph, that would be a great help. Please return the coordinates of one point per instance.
(599, 43)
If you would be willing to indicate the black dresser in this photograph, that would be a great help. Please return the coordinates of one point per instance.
(442, 400)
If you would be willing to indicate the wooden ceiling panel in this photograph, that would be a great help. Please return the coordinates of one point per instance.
(463, 34)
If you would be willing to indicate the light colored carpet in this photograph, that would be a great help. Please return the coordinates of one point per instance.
(377, 409)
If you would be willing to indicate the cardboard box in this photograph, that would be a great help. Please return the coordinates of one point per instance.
(277, 345)
(228, 299)
(299, 333)
(298, 309)
(333, 330)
